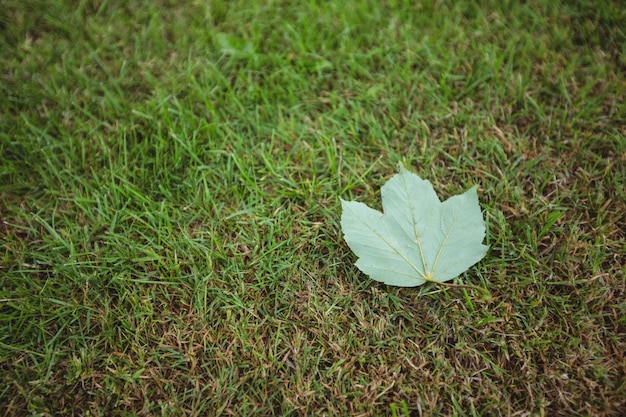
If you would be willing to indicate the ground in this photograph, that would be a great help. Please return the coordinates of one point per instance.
(170, 188)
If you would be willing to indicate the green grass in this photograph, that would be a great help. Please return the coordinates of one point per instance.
(170, 184)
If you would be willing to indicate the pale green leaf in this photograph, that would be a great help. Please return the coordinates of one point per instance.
(418, 238)
(231, 45)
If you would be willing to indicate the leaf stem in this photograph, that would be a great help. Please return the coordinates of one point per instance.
(485, 292)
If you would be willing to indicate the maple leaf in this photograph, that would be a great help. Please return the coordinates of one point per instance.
(418, 239)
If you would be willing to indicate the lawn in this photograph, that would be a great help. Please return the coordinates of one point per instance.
(171, 176)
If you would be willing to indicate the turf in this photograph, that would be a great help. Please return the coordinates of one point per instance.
(170, 187)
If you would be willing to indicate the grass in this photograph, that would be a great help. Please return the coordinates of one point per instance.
(170, 182)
